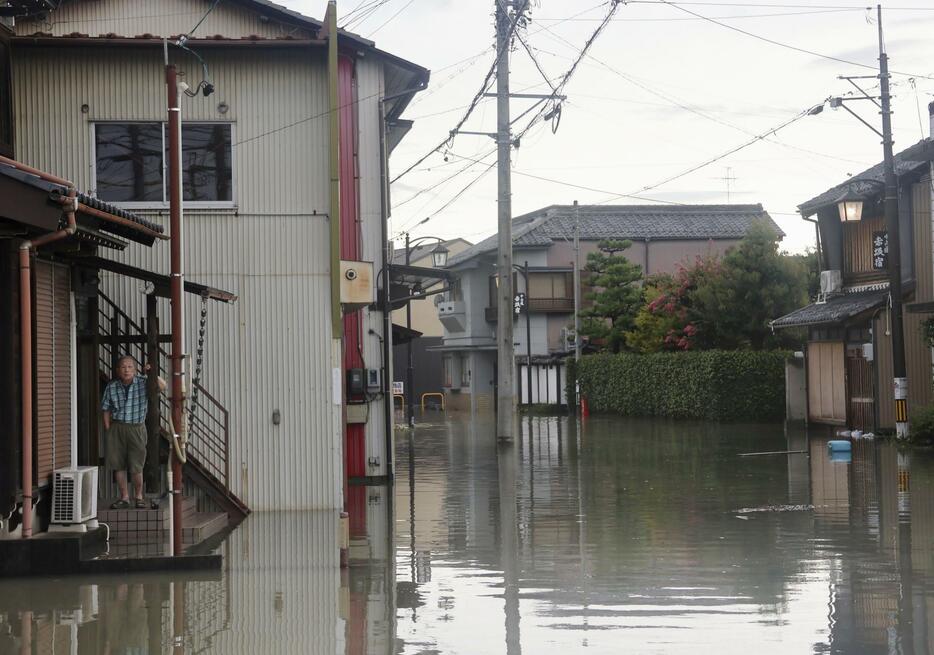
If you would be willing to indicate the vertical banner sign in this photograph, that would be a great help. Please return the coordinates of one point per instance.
(880, 251)
(519, 303)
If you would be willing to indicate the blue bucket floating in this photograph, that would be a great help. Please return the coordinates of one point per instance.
(839, 446)
(841, 456)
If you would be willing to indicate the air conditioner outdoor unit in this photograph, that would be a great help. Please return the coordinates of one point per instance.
(74, 495)
(830, 282)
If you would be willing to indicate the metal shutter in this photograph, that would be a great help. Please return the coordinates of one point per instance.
(53, 369)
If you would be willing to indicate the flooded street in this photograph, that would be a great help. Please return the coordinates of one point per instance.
(629, 535)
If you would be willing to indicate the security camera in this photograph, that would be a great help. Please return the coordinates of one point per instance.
(351, 274)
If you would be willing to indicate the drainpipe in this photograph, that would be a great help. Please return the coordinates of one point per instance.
(25, 313)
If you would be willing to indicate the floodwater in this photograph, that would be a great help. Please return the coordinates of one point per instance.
(625, 535)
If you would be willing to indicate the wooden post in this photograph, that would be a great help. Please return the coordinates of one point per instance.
(153, 414)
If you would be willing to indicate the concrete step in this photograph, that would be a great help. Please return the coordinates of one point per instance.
(139, 526)
(202, 525)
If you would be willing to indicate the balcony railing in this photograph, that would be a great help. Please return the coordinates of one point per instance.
(538, 305)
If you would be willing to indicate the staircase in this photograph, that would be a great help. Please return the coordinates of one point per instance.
(208, 465)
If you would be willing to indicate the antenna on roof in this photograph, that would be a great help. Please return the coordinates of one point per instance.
(728, 178)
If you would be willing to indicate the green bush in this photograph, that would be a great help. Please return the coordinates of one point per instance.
(921, 427)
(714, 385)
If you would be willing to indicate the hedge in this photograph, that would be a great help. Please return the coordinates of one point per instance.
(717, 385)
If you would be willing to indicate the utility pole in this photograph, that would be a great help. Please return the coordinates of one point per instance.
(176, 281)
(900, 383)
(577, 282)
(505, 350)
(410, 366)
(528, 335)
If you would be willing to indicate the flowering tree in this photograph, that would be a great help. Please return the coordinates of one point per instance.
(667, 320)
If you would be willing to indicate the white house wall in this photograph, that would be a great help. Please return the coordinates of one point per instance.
(270, 350)
(369, 87)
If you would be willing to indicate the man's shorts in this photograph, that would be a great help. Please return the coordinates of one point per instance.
(126, 446)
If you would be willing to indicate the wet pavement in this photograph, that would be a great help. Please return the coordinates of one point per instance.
(628, 535)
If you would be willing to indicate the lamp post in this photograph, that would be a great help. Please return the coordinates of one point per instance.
(850, 209)
(439, 258)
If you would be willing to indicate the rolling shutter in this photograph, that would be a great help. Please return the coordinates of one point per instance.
(53, 369)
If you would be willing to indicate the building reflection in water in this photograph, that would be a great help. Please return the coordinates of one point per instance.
(281, 591)
(630, 531)
(610, 537)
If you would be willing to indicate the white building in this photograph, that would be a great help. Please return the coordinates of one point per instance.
(90, 104)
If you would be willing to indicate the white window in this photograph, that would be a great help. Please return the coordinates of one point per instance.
(131, 159)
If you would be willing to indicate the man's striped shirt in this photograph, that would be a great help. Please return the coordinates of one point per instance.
(126, 402)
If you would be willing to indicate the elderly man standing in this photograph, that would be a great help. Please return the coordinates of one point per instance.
(124, 406)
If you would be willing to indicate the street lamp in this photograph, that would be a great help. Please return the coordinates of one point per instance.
(851, 210)
(439, 258)
(850, 206)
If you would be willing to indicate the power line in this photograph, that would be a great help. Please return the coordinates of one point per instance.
(473, 104)
(575, 186)
(390, 19)
(784, 45)
(730, 17)
(449, 202)
(681, 105)
(542, 111)
(704, 164)
(777, 6)
(444, 181)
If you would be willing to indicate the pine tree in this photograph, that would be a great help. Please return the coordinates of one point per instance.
(616, 295)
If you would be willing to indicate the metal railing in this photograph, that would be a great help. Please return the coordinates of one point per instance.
(538, 305)
(209, 420)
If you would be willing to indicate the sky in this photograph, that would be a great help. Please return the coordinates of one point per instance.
(660, 92)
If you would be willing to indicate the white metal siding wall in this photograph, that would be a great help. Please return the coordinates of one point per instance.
(369, 84)
(163, 18)
(271, 349)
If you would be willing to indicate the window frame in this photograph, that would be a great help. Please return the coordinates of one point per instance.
(164, 204)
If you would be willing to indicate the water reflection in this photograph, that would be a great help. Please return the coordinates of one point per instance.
(653, 536)
(621, 535)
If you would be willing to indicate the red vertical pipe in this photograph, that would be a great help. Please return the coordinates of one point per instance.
(175, 287)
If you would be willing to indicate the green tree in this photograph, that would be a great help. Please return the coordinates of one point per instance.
(757, 284)
(616, 295)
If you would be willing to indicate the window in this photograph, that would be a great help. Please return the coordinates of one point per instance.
(447, 370)
(550, 285)
(131, 161)
(465, 370)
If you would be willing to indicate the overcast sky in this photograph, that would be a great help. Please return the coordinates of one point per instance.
(672, 92)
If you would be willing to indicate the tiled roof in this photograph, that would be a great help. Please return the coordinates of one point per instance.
(656, 222)
(869, 182)
(52, 188)
(835, 310)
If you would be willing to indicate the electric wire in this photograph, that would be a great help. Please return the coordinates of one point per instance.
(708, 162)
(543, 111)
(484, 87)
(787, 45)
(777, 5)
(681, 105)
(391, 18)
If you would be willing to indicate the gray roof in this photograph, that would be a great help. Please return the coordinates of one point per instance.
(869, 182)
(58, 190)
(835, 310)
(540, 228)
